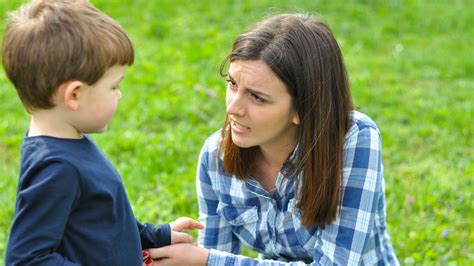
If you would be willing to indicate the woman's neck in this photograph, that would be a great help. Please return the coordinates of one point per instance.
(270, 163)
(275, 152)
(276, 155)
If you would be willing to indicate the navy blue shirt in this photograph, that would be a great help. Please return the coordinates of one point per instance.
(72, 209)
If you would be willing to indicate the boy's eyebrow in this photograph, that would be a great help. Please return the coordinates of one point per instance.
(120, 79)
(251, 90)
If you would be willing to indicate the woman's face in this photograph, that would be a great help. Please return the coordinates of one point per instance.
(260, 109)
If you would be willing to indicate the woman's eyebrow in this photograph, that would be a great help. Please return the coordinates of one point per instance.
(251, 90)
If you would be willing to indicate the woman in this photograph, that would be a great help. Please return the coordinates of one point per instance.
(296, 173)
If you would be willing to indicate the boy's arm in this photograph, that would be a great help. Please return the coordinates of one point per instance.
(154, 236)
(44, 202)
(167, 234)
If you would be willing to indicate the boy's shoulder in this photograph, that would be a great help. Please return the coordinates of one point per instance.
(82, 157)
(39, 149)
(54, 143)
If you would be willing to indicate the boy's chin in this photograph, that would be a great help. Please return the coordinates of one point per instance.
(96, 131)
(102, 130)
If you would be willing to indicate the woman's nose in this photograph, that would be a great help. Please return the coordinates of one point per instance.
(235, 104)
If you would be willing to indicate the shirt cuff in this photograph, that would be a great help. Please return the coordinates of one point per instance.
(154, 236)
(217, 257)
(163, 235)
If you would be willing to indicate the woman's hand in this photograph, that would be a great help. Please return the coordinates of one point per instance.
(146, 259)
(179, 254)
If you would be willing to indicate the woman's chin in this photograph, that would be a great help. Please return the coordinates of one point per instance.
(241, 142)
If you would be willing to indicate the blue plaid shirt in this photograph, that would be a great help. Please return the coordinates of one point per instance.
(236, 212)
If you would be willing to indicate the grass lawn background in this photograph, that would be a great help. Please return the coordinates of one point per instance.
(411, 66)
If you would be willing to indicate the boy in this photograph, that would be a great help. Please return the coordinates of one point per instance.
(66, 60)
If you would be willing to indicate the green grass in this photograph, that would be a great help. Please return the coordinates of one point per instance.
(411, 65)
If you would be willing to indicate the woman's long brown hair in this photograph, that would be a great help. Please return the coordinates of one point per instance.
(304, 54)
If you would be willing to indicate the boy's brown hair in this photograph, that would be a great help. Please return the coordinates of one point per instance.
(48, 42)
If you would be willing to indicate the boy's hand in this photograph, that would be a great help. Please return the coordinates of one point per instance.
(185, 223)
(181, 224)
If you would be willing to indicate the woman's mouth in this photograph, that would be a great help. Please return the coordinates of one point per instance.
(238, 128)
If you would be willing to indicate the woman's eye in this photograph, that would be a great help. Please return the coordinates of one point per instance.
(231, 85)
(257, 98)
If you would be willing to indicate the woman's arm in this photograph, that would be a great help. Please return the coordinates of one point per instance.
(187, 254)
(217, 233)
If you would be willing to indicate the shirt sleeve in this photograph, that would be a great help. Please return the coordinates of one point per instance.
(341, 242)
(217, 232)
(154, 236)
(44, 202)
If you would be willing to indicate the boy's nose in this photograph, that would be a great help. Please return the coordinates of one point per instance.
(119, 94)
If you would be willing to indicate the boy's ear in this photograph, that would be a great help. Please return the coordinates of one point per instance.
(71, 92)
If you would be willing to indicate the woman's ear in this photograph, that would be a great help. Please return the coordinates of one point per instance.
(71, 93)
(296, 119)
